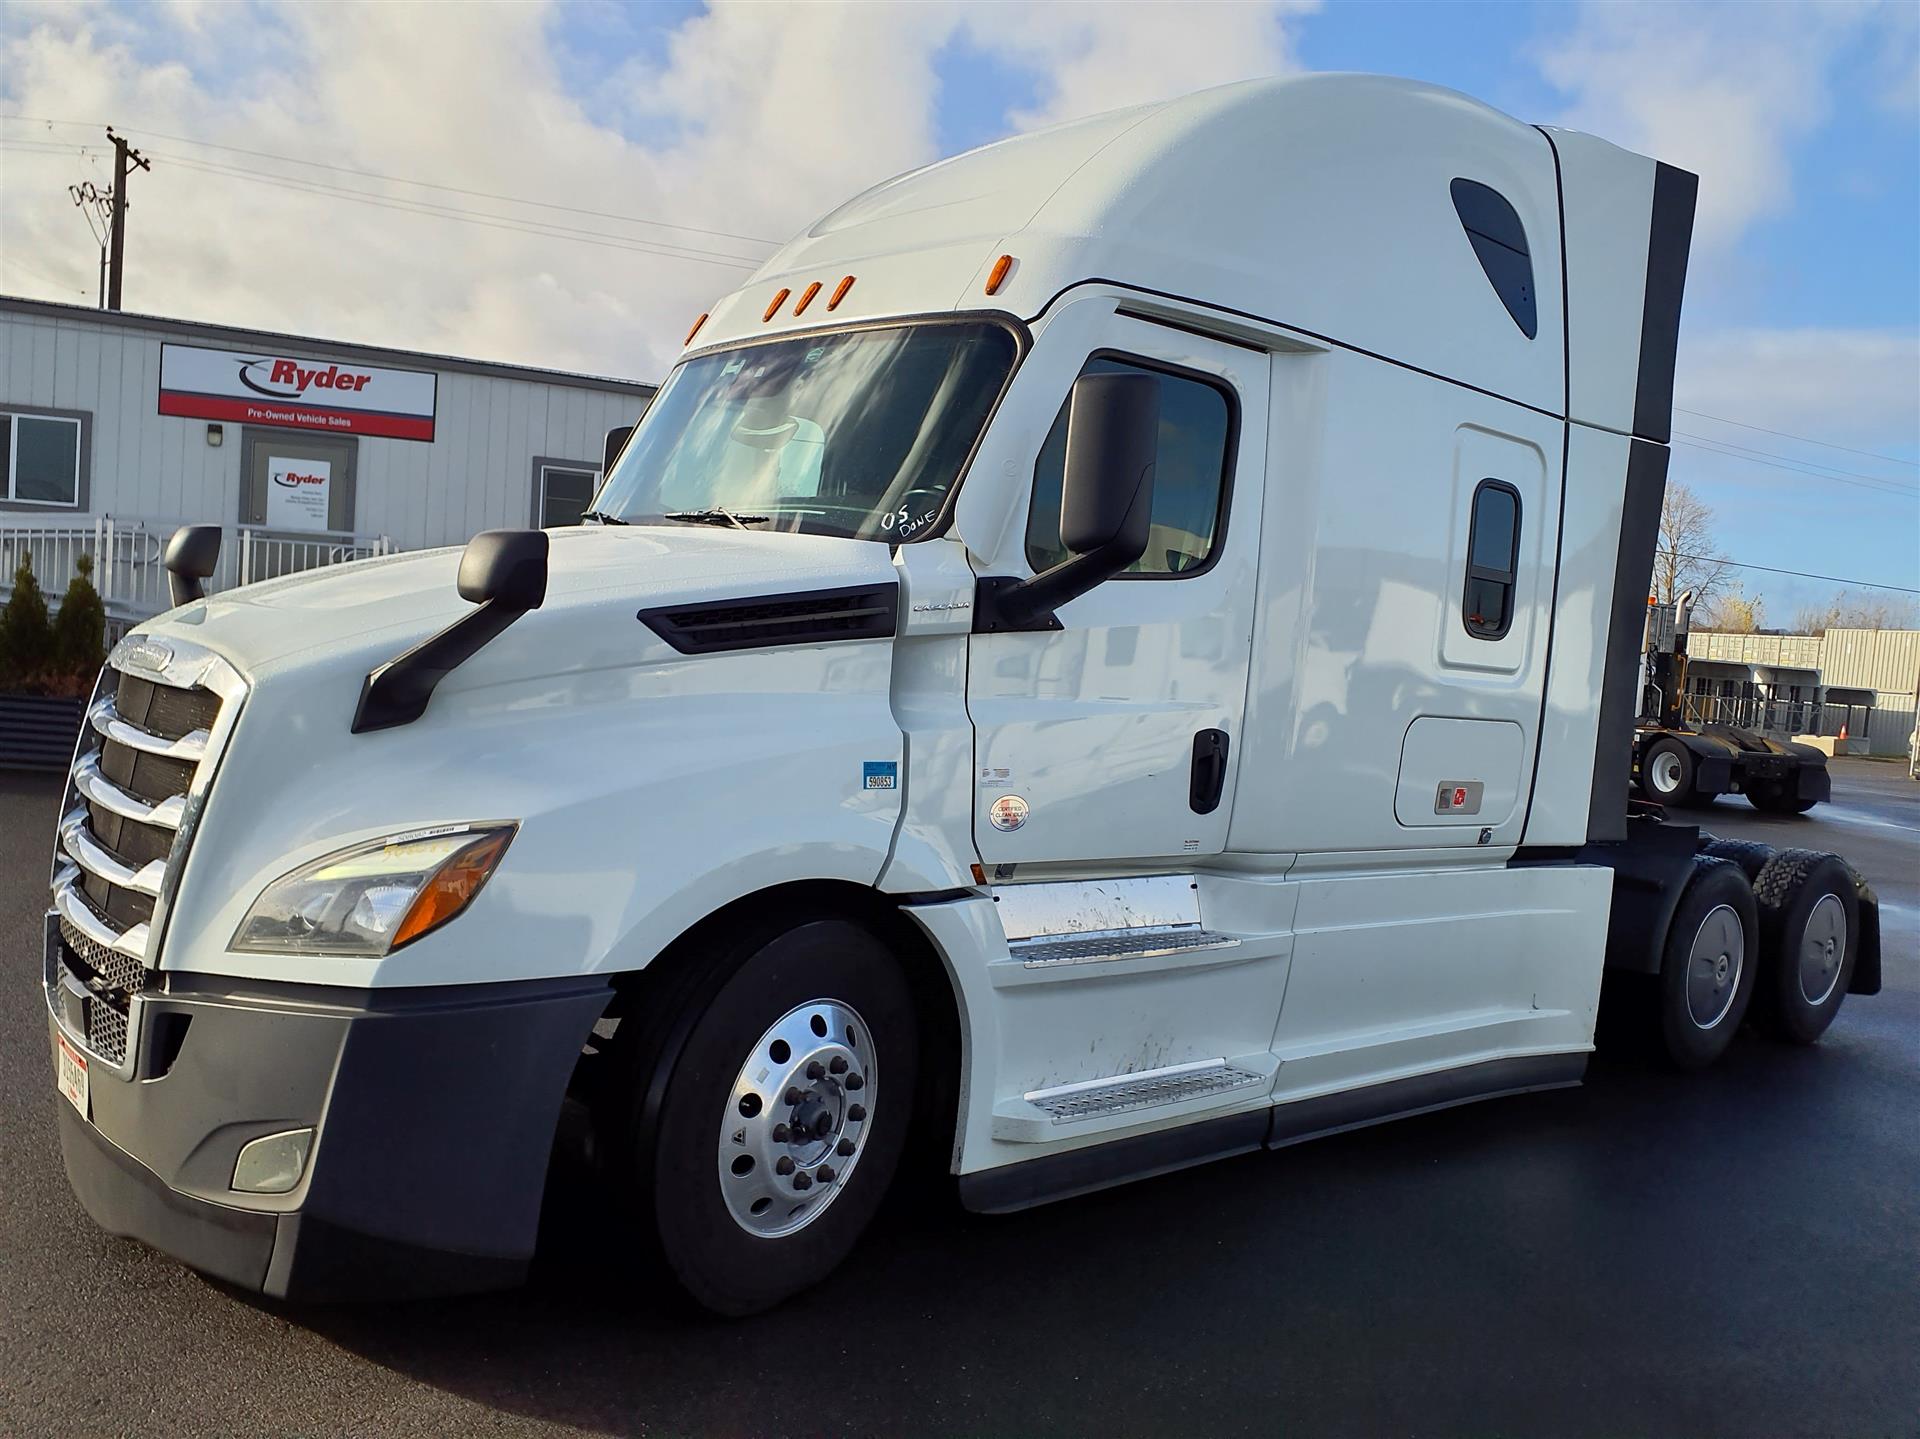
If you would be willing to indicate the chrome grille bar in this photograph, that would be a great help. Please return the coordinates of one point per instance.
(189, 748)
(68, 904)
(91, 784)
(78, 842)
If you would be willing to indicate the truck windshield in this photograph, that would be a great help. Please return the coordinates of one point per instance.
(859, 434)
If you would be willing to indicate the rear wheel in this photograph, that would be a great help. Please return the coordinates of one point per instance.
(764, 1154)
(1810, 922)
(1776, 798)
(1707, 970)
(1666, 772)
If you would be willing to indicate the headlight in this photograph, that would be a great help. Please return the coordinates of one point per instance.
(369, 899)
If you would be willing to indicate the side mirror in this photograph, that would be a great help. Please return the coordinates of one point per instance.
(610, 453)
(508, 566)
(504, 572)
(190, 557)
(1106, 501)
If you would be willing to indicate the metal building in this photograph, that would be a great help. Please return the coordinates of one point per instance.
(115, 428)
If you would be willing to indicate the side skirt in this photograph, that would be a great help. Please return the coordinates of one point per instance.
(1014, 1187)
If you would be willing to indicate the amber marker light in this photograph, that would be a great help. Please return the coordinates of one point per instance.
(774, 309)
(452, 887)
(998, 273)
(694, 331)
(840, 292)
(806, 298)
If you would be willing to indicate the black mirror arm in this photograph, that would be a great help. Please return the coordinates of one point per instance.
(1004, 603)
(396, 693)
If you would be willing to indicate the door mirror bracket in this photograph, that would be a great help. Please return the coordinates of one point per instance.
(1106, 503)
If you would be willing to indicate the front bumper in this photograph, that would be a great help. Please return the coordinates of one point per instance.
(434, 1113)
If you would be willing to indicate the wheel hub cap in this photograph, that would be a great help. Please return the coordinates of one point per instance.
(1823, 949)
(797, 1118)
(1713, 966)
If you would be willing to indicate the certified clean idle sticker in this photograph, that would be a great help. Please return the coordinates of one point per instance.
(1008, 812)
(880, 774)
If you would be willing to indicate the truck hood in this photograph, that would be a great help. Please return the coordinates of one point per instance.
(386, 604)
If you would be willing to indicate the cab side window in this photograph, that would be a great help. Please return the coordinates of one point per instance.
(1493, 552)
(1189, 482)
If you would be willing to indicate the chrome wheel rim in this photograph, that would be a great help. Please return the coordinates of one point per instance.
(1714, 962)
(1822, 949)
(1665, 771)
(797, 1118)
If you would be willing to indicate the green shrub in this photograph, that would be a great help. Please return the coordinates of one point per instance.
(26, 638)
(80, 629)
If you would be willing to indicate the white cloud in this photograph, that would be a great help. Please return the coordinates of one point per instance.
(1858, 387)
(758, 119)
(1724, 90)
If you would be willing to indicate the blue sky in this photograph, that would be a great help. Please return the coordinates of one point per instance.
(1803, 310)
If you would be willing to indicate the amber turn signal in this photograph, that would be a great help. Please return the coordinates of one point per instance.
(806, 297)
(452, 887)
(998, 273)
(694, 331)
(840, 292)
(774, 308)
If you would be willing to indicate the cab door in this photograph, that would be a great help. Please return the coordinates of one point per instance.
(1116, 737)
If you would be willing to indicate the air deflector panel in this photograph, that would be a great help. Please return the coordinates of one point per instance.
(1500, 242)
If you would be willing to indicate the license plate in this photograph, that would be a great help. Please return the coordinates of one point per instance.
(71, 1073)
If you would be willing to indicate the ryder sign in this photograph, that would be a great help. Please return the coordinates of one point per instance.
(262, 387)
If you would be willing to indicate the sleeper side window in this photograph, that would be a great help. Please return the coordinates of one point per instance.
(1189, 480)
(1493, 551)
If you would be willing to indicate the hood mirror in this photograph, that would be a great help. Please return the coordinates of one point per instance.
(190, 558)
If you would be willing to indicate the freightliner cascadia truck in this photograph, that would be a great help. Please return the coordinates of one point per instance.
(1110, 651)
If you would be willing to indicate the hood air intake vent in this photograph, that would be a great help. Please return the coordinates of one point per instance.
(861, 612)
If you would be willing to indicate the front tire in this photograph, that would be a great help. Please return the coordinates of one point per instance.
(1708, 967)
(764, 1155)
(1666, 773)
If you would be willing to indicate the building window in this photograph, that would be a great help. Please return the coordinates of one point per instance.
(1189, 479)
(1493, 556)
(562, 490)
(44, 454)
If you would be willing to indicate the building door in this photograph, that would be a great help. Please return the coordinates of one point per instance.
(293, 483)
(1116, 736)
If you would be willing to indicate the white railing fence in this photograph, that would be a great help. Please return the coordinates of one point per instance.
(126, 558)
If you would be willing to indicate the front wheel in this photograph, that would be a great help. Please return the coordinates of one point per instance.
(783, 1114)
(1666, 773)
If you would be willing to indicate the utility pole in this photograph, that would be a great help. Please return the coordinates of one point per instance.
(122, 153)
(97, 209)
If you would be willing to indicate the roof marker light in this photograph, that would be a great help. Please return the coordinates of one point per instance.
(806, 297)
(694, 331)
(998, 273)
(840, 292)
(774, 309)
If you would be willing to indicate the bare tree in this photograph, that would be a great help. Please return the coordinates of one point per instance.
(1848, 611)
(1688, 558)
(1734, 612)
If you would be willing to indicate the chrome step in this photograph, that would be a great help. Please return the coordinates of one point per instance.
(1048, 951)
(1148, 1089)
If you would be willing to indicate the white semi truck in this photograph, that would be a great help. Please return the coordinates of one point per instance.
(1113, 650)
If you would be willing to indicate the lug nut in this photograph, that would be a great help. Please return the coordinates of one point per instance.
(844, 1148)
(782, 1135)
(783, 1165)
(838, 1064)
(816, 1070)
(803, 1180)
(856, 1112)
(825, 1172)
(854, 1081)
(793, 1095)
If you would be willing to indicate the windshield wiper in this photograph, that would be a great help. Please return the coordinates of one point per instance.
(600, 517)
(717, 515)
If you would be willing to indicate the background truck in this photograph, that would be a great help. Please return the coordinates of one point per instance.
(1678, 762)
(1110, 651)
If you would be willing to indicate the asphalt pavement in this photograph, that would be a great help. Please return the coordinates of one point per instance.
(1736, 1253)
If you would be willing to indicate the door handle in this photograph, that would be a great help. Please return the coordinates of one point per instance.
(1209, 771)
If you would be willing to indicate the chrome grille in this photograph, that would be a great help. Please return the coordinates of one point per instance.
(158, 720)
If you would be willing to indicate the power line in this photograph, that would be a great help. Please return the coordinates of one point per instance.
(541, 228)
(434, 185)
(1797, 574)
(1888, 487)
(1804, 439)
(65, 288)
